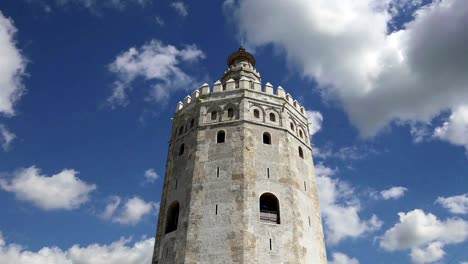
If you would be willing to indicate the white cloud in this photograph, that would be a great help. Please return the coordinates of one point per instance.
(180, 7)
(410, 75)
(455, 129)
(455, 204)
(63, 190)
(156, 63)
(12, 67)
(433, 252)
(129, 213)
(151, 175)
(315, 120)
(118, 252)
(344, 153)
(6, 137)
(424, 234)
(393, 193)
(340, 258)
(159, 21)
(340, 208)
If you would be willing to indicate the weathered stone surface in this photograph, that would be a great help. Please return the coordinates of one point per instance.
(218, 185)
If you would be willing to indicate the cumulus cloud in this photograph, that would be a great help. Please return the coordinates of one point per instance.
(393, 193)
(120, 251)
(345, 153)
(63, 190)
(12, 67)
(455, 204)
(408, 75)
(155, 63)
(6, 137)
(340, 258)
(424, 234)
(129, 213)
(315, 120)
(180, 7)
(151, 175)
(455, 129)
(340, 208)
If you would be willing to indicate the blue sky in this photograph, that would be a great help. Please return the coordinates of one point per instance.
(87, 90)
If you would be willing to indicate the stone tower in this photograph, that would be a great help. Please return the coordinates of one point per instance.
(240, 184)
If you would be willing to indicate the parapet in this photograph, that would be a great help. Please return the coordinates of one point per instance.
(243, 83)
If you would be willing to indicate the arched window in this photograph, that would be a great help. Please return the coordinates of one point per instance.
(221, 136)
(301, 153)
(269, 208)
(214, 115)
(172, 217)
(292, 126)
(256, 113)
(266, 138)
(192, 122)
(272, 117)
(300, 134)
(230, 112)
(181, 149)
(181, 130)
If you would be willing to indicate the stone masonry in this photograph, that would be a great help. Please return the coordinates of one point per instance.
(231, 144)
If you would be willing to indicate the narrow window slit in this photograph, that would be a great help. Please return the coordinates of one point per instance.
(309, 221)
(216, 213)
(217, 172)
(176, 182)
(268, 173)
(270, 243)
(305, 186)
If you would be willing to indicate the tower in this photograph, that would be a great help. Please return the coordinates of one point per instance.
(240, 185)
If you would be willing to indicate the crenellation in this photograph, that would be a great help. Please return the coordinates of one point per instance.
(187, 100)
(280, 92)
(196, 94)
(289, 98)
(179, 107)
(257, 86)
(268, 88)
(205, 89)
(244, 83)
(217, 87)
(230, 84)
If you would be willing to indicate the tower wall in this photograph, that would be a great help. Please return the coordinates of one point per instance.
(219, 184)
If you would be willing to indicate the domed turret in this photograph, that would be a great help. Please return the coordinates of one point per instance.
(241, 64)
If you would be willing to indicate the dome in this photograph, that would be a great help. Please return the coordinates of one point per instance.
(241, 55)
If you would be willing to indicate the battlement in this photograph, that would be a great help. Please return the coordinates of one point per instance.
(242, 84)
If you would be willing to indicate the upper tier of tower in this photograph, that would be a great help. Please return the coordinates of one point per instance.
(241, 64)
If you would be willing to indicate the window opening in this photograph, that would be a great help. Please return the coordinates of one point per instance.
(292, 126)
(214, 115)
(221, 137)
(268, 173)
(217, 172)
(272, 117)
(216, 213)
(269, 208)
(172, 218)
(300, 133)
(270, 243)
(256, 113)
(266, 138)
(192, 122)
(230, 112)
(301, 153)
(181, 149)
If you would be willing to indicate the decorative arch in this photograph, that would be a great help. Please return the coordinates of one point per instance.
(230, 112)
(213, 114)
(269, 208)
(260, 109)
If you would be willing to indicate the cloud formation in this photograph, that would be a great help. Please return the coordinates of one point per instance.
(455, 204)
(63, 190)
(120, 251)
(156, 63)
(424, 234)
(340, 208)
(129, 213)
(6, 137)
(180, 7)
(315, 120)
(151, 175)
(340, 258)
(393, 193)
(408, 75)
(12, 67)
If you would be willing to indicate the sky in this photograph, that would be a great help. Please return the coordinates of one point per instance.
(88, 89)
